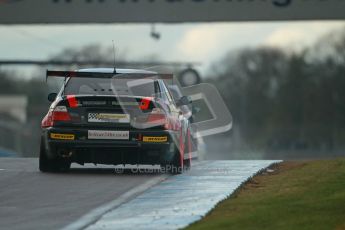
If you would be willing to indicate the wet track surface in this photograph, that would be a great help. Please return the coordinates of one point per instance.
(182, 199)
(102, 198)
(33, 200)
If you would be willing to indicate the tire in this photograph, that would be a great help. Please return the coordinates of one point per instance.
(172, 163)
(51, 165)
(188, 146)
(187, 164)
(177, 165)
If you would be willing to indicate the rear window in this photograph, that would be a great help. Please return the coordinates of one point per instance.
(110, 86)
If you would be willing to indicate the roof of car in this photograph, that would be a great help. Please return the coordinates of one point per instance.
(118, 71)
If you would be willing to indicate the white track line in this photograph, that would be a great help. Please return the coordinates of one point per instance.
(181, 200)
(97, 213)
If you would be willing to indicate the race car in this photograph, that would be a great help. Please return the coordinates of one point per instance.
(115, 116)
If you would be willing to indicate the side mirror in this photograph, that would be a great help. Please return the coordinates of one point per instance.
(52, 97)
(183, 101)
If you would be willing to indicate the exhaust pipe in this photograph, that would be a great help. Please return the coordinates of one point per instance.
(65, 153)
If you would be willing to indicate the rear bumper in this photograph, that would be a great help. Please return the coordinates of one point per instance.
(131, 151)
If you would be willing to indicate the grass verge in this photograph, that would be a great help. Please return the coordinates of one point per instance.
(296, 195)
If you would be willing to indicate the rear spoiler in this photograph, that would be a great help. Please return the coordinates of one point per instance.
(67, 74)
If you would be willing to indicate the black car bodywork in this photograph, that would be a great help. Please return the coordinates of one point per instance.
(88, 123)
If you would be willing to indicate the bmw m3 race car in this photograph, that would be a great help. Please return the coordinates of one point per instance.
(115, 116)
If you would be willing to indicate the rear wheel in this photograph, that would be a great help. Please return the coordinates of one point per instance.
(177, 165)
(172, 162)
(187, 164)
(188, 147)
(51, 165)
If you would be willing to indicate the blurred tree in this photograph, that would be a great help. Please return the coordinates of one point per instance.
(249, 83)
(283, 101)
(92, 52)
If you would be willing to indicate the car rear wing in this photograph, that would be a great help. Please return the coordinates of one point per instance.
(82, 74)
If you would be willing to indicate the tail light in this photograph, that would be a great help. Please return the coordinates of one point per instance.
(59, 113)
(154, 116)
(145, 103)
(157, 117)
(72, 101)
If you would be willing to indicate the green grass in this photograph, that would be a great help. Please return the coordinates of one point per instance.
(304, 195)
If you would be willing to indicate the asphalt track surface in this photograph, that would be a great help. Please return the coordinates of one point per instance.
(30, 199)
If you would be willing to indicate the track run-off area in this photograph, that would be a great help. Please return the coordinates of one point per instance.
(103, 197)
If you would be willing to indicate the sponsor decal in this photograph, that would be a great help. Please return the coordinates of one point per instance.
(62, 136)
(108, 135)
(155, 139)
(108, 117)
(125, 103)
(94, 103)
